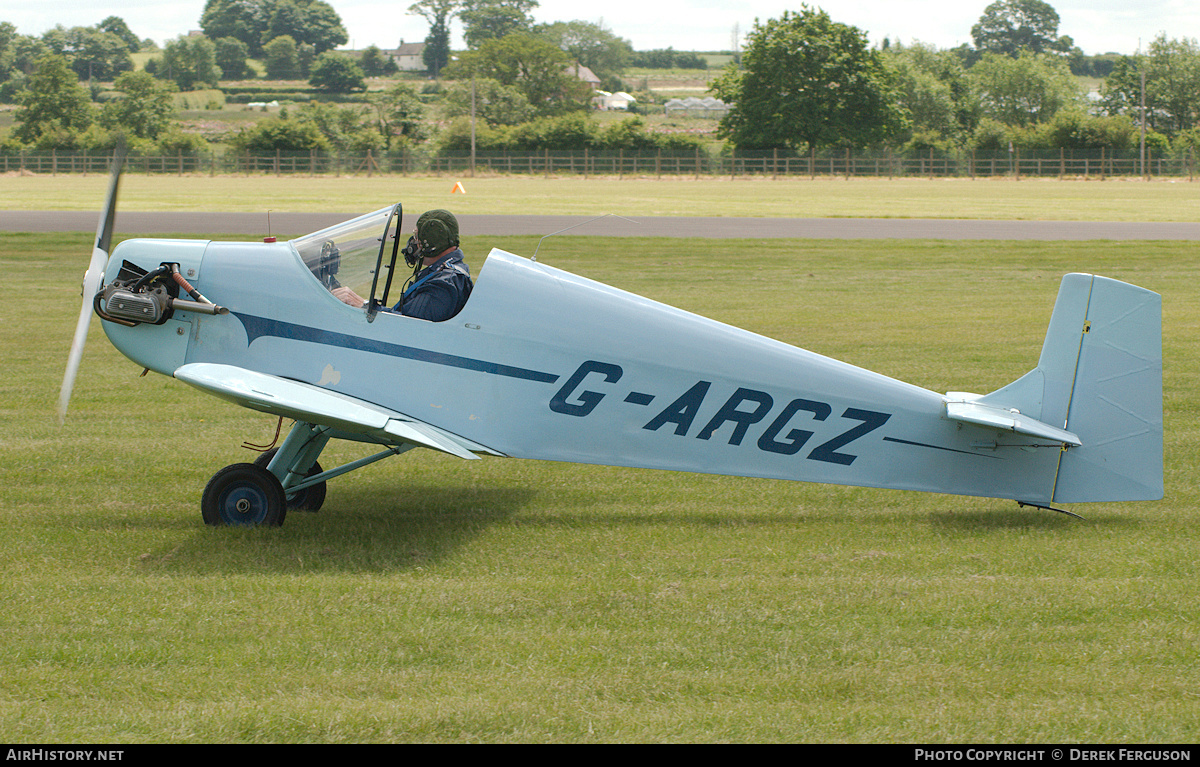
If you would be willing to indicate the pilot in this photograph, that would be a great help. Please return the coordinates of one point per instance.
(441, 288)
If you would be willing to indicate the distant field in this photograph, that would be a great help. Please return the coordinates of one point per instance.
(1111, 200)
(438, 600)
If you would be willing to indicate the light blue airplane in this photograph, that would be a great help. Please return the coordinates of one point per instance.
(544, 364)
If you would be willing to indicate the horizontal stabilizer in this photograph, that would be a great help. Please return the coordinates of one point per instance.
(965, 407)
(312, 404)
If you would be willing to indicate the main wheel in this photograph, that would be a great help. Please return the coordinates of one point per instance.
(308, 499)
(243, 494)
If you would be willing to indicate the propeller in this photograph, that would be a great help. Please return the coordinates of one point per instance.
(92, 280)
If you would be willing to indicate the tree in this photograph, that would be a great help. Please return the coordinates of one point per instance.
(335, 73)
(1026, 90)
(807, 82)
(281, 59)
(285, 18)
(18, 57)
(343, 127)
(144, 110)
(495, 103)
(933, 88)
(1172, 70)
(374, 63)
(190, 62)
(398, 114)
(321, 26)
(1008, 27)
(493, 19)
(54, 108)
(244, 20)
(669, 58)
(117, 26)
(589, 44)
(257, 22)
(1076, 130)
(92, 53)
(231, 56)
(8, 54)
(535, 67)
(437, 43)
(278, 133)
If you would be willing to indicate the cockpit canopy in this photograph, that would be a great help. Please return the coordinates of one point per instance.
(350, 253)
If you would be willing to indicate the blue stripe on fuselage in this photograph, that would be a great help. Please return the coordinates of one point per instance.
(257, 327)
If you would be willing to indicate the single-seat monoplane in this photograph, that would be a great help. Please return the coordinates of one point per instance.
(544, 364)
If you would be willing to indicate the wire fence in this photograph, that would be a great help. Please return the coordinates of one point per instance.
(1064, 164)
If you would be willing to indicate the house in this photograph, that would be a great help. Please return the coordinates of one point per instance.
(409, 57)
(585, 74)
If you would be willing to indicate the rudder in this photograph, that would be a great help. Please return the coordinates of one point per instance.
(1115, 399)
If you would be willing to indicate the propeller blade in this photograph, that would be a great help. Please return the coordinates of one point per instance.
(92, 281)
(105, 229)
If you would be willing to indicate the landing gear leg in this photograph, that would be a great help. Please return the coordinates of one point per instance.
(295, 461)
(282, 479)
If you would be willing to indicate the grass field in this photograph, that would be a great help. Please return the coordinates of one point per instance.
(1112, 200)
(505, 601)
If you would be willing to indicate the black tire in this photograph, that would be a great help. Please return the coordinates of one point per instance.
(309, 499)
(244, 495)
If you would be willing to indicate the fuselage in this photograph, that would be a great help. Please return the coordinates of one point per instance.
(548, 365)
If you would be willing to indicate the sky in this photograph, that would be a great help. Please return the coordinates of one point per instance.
(1097, 26)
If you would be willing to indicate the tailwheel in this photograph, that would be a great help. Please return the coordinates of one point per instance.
(243, 494)
(310, 498)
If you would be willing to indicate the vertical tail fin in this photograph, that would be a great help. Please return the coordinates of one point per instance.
(1100, 377)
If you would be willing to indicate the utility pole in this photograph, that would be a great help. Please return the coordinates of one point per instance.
(1143, 147)
(472, 121)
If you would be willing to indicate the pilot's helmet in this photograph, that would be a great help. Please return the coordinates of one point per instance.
(437, 230)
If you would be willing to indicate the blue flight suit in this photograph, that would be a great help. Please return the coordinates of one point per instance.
(439, 291)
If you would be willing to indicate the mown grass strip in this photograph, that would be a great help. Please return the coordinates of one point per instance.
(506, 601)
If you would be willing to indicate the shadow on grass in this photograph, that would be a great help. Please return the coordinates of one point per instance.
(988, 520)
(367, 531)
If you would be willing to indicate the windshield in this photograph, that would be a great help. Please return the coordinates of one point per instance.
(344, 255)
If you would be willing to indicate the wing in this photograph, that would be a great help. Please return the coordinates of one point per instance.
(312, 404)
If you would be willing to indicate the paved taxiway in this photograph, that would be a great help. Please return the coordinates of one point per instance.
(291, 224)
